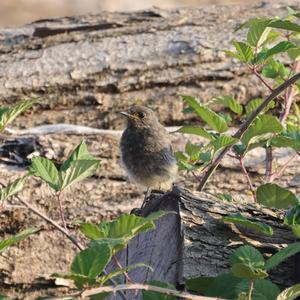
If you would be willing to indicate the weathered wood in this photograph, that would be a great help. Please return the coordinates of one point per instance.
(196, 242)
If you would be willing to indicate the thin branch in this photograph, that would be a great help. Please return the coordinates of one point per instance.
(282, 169)
(53, 223)
(61, 211)
(251, 286)
(252, 189)
(289, 96)
(245, 126)
(121, 267)
(253, 69)
(146, 287)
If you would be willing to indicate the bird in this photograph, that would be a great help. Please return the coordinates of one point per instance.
(146, 151)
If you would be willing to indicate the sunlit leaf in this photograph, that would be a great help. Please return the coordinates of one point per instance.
(255, 103)
(290, 293)
(223, 141)
(241, 270)
(196, 131)
(212, 119)
(258, 32)
(262, 125)
(8, 114)
(77, 171)
(243, 53)
(12, 188)
(46, 170)
(231, 103)
(284, 24)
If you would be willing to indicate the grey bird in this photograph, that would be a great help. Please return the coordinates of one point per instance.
(146, 151)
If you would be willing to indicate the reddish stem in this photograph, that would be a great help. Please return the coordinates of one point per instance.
(241, 160)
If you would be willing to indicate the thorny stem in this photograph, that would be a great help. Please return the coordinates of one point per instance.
(61, 209)
(245, 126)
(251, 285)
(139, 286)
(254, 71)
(241, 160)
(53, 223)
(121, 267)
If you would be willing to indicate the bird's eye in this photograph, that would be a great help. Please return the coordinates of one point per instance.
(141, 115)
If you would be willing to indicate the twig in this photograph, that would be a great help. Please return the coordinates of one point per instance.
(53, 223)
(282, 169)
(146, 287)
(121, 267)
(245, 126)
(241, 160)
(254, 71)
(251, 285)
(289, 95)
(61, 211)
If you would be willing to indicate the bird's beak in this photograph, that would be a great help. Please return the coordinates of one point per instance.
(127, 115)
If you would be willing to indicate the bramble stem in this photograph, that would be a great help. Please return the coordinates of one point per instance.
(61, 210)
(146, 287)
(53, 223)
(269, 162)
(241, 160)
(121, 267)
(251, 285)
(245, 126)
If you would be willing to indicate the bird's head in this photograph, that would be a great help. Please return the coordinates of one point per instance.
(140, 116)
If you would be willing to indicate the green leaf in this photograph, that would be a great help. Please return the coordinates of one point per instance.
(262, 125)
(208, 116)
(119, 231)
(282, 255)
(256, 225)
(258, 32)
(241, 270)
(223, 286)
(149, 295)
(46, 170)
(290, 293)
(199, 285)
(243, 53)
(80, 153)
(91, 262)
(77, 171)
(102, 280)
(275, 69)
(255, 103)
(12, 188)
(17, 238)
(272, 195)
(284, 24)
(294, 53)
(247, 254)
(292, 217)
(223, 141)
(282, 141)
(193, 151)
(7, 115)
(279, 48)
(262, 289)
(196, 131)
(231, 103)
